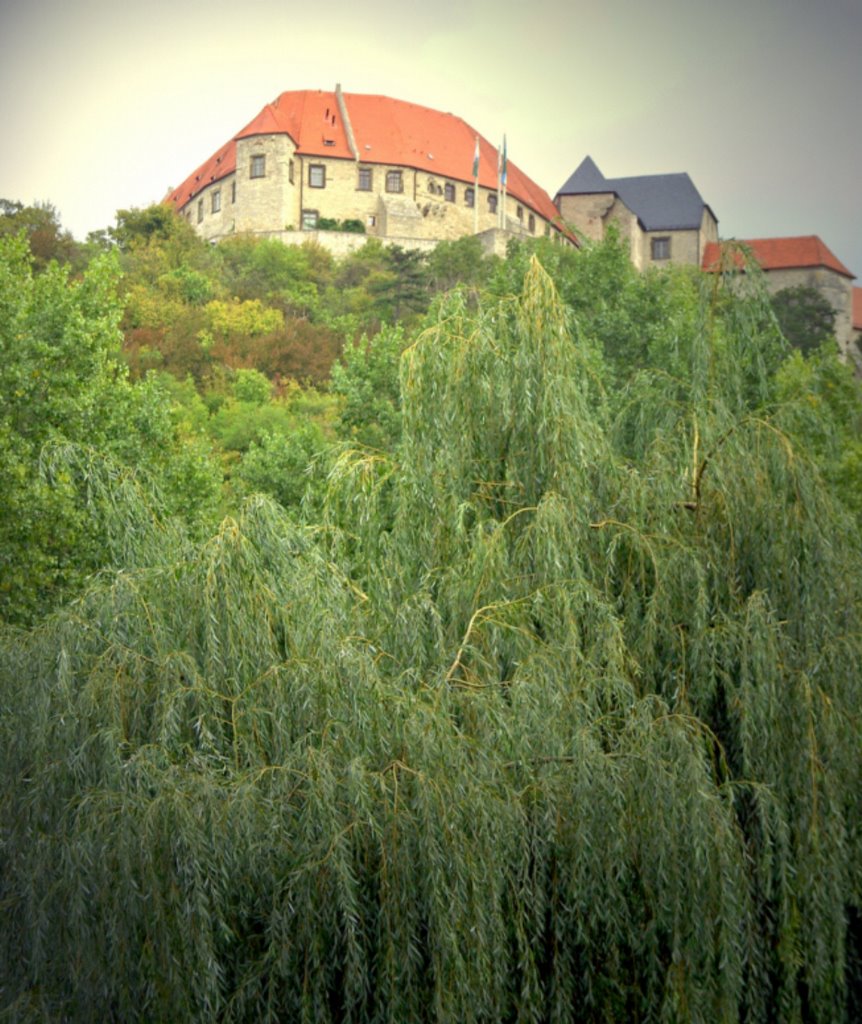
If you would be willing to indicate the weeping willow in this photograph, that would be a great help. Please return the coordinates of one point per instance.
(553, 716)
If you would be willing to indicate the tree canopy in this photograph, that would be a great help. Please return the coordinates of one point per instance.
(548, 711)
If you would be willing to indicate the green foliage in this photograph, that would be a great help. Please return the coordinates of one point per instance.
(251, 386)
(366, 379)
(821, 404)
(350, 225)
(41, 227)
(289, 467)
(66, 406)
(556, 718)
(806, 318)
(460, 262)
(153, 224)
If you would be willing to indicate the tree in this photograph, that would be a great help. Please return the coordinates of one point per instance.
(806, 317)
(65, 395)
(540, 720)
(41, 226)
(367, 380)
(462, 261)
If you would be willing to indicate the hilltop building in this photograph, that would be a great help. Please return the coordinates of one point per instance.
(662, 216)
(403, 171)
(804, 261)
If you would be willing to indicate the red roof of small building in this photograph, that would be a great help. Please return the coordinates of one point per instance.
(782, 254)
(386, 131)
(857, 309)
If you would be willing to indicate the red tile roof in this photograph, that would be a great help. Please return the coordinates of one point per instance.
(783, 254)
(857, 309)
(386, 131)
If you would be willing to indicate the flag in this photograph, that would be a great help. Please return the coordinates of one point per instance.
(503, 164)
(476, 159)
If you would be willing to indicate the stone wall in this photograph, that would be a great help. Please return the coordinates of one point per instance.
(587, 213)
(296, 191)
(835, 288)
(592, 213)
(271, 201)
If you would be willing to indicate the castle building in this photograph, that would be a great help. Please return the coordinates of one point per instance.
(804, 261)
(661, 216)
(407, 174)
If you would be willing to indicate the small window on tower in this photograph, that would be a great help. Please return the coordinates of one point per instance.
(258, 166)
(660, 248)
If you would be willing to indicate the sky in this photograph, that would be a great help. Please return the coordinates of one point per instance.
(106, 105)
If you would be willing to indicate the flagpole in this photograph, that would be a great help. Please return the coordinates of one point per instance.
(499, 187)
(505, 180)
(476, 189)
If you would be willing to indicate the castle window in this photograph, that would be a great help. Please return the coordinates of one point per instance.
(470, 196)
(531, 223)
(364, 179)
(316, 176)
(215, 200)
(258, 166)
(200, 210)
(449, 192)
(309, 220)
(519, 213)
(660, 248)
(290, 172)
(233, 191)
(492, 202)
(394, 181)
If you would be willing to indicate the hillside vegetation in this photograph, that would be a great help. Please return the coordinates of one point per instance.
(533, 697)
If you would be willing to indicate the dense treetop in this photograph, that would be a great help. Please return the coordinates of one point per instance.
(530, 693)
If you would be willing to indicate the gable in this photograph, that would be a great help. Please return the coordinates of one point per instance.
(661, 202)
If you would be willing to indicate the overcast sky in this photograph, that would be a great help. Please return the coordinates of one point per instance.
(106, 105)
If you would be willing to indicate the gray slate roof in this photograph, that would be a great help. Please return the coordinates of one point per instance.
(661, 202)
